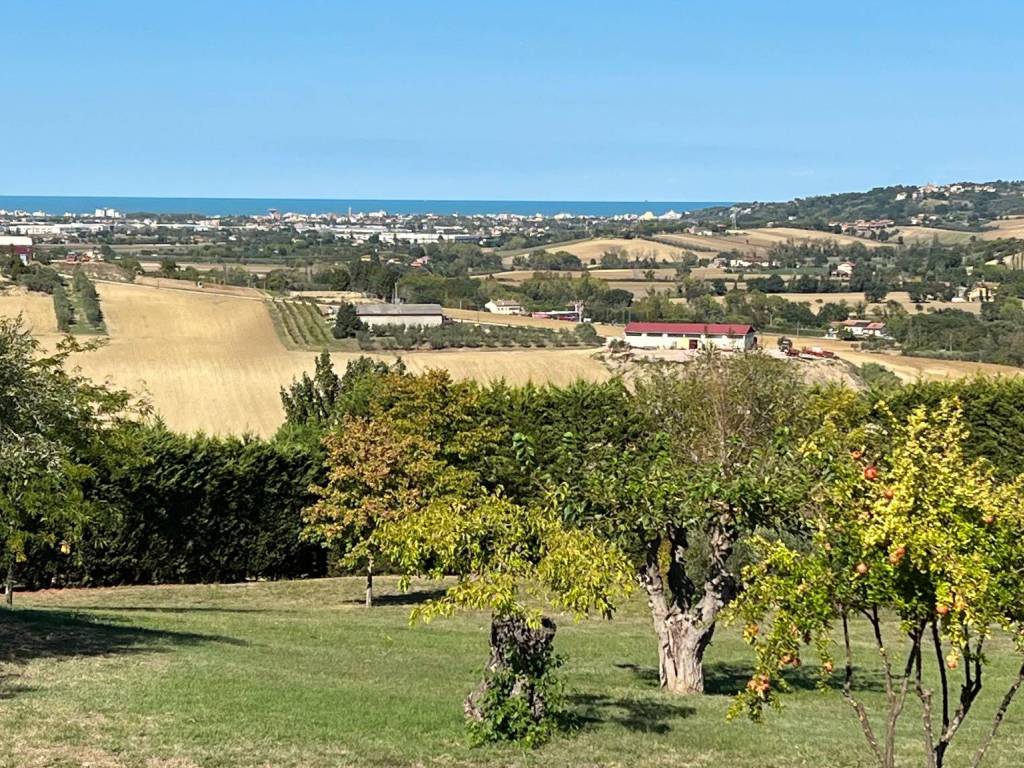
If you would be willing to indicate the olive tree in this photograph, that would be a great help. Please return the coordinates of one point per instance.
(903, 524)
(715, 463)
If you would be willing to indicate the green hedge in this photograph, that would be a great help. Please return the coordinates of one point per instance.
(993, 408)
(200, 509)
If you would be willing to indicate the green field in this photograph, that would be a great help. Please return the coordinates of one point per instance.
(299, 674)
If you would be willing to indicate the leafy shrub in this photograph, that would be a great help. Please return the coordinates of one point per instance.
(40, 279)
(521, 698)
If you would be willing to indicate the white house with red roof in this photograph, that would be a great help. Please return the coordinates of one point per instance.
(664, 335)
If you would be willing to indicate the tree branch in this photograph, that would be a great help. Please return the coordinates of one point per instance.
(679, 583)
(926, 715)
(937, 642)
(998, 719)
(720, 584)
(858, 707)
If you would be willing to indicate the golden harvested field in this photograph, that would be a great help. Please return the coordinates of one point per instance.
(35, 308)
(712, 246)
(1012, 227)
(928, 234)
(214, 362)
(768, 236)
(757, 241)
(207, 288)
(636, 249)
(901, 297)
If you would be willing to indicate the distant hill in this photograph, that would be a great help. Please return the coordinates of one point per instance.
(965, 206)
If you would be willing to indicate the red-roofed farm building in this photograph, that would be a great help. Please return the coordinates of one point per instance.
(728, 336)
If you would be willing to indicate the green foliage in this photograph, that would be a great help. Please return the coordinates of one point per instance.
(958, 335)
(346, 322)
(901, 521)
(39, 278)
(507, 715)
(506, 555)
(878, 377)
(300, 324)
(88, 299)
(425, 288)
(461, 335)
(881, 202)
(993, 409)
(57, 430)
(547, 260)
(63, 309)
(460, 259)
(322, 399)
(194, 509)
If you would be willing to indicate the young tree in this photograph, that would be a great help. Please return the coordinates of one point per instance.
(54, 427)
(376, 472)
(508, 559)
(419, 438)
(347, 322)
(903, 524)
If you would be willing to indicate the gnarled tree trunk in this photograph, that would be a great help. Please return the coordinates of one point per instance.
(684, 615)
(681, 649)
(519, 650)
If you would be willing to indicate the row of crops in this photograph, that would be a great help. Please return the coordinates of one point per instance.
(468, 335)
(300, 324)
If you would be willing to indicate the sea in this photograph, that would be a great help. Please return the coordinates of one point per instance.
(250, 206)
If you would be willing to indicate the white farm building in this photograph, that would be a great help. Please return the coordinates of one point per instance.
(504, 307)
(377, 315)
(730, 336)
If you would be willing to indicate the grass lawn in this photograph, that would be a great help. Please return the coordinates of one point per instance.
(299, 674)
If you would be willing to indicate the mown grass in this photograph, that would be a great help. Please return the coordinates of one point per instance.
(299, 674)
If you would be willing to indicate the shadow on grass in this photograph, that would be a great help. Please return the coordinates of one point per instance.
(9, 689)
(171, 609)
(726, 679)
(412, 597)
(639, 715)
(27, 635)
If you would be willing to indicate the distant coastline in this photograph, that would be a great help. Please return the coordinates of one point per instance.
(242, 206)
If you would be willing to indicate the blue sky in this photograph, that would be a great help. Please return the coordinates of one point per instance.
(525, 100)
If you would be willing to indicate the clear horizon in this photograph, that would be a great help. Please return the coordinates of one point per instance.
(579, 102)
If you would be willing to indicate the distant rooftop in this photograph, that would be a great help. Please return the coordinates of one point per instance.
(398, 309)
